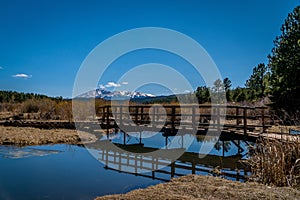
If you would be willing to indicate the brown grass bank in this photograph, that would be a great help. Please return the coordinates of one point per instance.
(34, 136)
(207, 187)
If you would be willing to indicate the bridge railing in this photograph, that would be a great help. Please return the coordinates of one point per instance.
(196, 117)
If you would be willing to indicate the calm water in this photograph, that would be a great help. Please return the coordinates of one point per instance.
(71, 172)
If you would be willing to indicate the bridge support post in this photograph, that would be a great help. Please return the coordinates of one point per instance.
(223, 148)
(194, 120)
(166, 141)
(263, 120)
(124, 138)
(136, 114)
(121, 115)
(172, 169)
(245, 120)
(140, 137)
(173, 119)
(107, 120)
(218, 120)
(237, 112)
(193, 168)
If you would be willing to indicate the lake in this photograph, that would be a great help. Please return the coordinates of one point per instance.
(74, 172)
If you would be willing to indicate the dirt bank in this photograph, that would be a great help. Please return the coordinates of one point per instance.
(34, 136)
(207, 187)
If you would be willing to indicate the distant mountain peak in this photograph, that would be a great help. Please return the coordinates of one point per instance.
(117, 95)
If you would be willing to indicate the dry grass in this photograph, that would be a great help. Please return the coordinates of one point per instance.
(275, 162)
(206, 187)
(33, 136)
(282, 129)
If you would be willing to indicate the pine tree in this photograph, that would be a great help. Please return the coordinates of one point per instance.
(284, 63)
(258, 81)
(227, 86)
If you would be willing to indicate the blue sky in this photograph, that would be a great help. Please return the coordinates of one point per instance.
(43, 43)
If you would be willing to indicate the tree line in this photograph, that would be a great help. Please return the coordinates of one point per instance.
(19, 97)
(36, 106)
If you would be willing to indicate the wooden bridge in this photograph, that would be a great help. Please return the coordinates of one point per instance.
(238, 121)
(233, 122)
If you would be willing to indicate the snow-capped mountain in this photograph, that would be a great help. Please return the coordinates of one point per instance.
(116, 95)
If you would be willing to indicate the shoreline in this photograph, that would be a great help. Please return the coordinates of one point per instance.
(192, 187)
(27, 136)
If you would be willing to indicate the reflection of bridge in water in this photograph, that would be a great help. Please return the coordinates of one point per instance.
(149, 162)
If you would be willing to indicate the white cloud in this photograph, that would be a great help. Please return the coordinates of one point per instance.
(112, 84)
(25, 76)
(124, 83)
(102, 87)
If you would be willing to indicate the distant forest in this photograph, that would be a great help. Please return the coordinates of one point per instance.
(19, 97)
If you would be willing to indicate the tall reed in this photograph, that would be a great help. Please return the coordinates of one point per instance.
(275, 162)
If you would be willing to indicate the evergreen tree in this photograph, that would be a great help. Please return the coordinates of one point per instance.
(258, 81)
(218, 92)
(284, 63)
(203, 95)
(227, 86)
(240, 94)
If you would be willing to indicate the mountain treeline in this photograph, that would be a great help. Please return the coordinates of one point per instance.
(36, 106)
(18, 105)
(19, 97)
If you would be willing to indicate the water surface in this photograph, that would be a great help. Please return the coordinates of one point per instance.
(71, 172)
